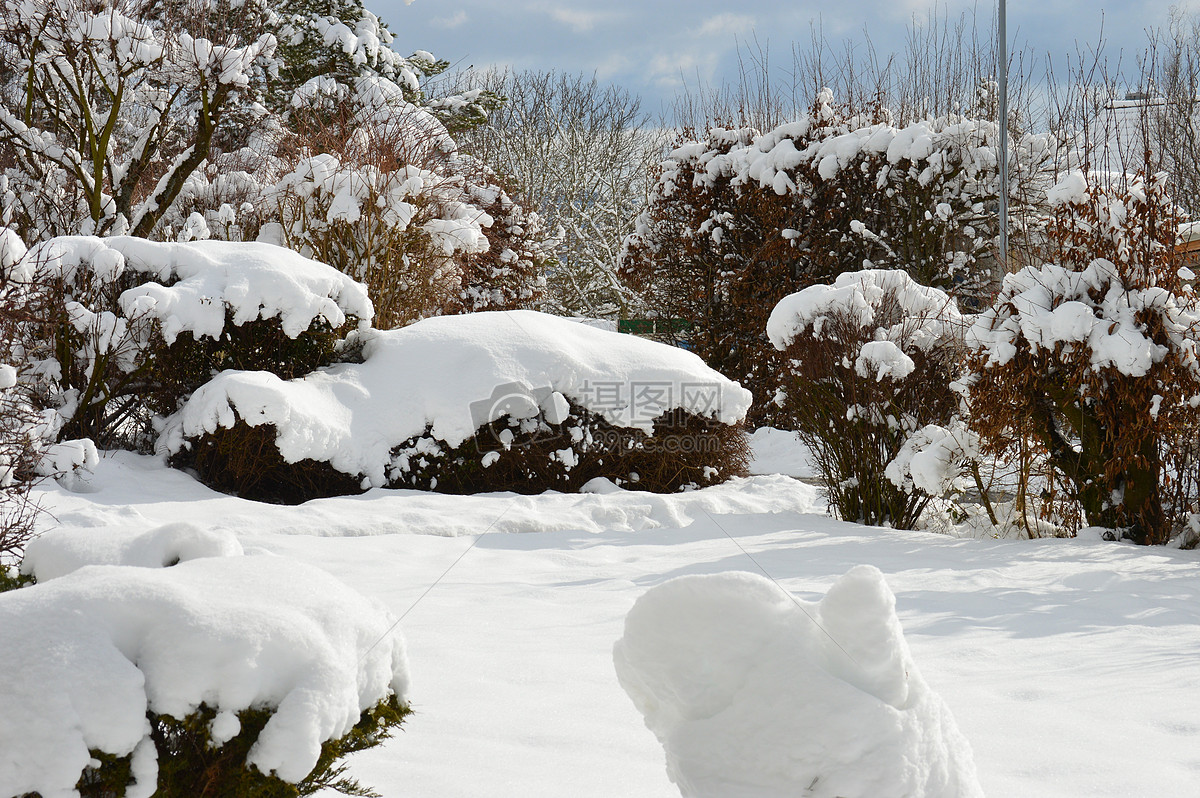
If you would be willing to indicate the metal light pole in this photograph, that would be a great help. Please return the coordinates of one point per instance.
(1003, 33)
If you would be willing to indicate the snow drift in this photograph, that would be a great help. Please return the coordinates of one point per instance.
(754, 695)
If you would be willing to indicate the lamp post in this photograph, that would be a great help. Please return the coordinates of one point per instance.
(1003, 36)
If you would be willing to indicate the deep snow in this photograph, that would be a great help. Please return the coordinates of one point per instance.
(1071, 666)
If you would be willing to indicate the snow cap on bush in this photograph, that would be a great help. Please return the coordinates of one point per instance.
(192, 285)
(756, 696)
(860, 294)
(1052, 305)
(86, 656)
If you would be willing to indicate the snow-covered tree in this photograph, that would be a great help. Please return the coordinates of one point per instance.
(20, 440)
(581, 155)
(380, 191)
(107, 110)
(194, 119)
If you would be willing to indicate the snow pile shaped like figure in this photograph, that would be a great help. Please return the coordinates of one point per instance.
(451, 375)
(752, 699)
(87, 656)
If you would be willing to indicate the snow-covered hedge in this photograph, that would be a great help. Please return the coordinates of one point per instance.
(475, 391)
(1094, 356)
(137, 323)
(118, 663)
(756, 695)
(869, 360)
(740, 218)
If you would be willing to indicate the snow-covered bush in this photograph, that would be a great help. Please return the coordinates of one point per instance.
(381, 193)
(17, 458)
(868, 361)
(1093, 355)
(133, 326)
(753, 694)
(512, 400)
(740, 219)
(221, 675)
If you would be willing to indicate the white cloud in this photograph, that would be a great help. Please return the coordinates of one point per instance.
(576, 19)
(613, 65)
(723, 24)
(673, 70)
(449, 22)
(579, 20)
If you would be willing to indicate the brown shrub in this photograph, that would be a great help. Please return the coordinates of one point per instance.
(178, 369)
(529, 456)
(684, 451)
(244, 461)
(854, 425)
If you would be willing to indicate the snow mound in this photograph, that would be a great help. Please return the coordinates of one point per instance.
(86, 656)
(754, 695)
(200, 281)
(60, 552)
(451, 375)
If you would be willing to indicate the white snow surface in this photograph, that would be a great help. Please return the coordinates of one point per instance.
(87, 654)
(1046, 651)
(779, 451)
(192, 285)
(59, 552)
(754, 694)
(452, 374)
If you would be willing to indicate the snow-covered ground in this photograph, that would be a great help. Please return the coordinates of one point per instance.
(1071, 666)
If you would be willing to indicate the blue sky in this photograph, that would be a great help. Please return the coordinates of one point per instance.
(645, 45)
